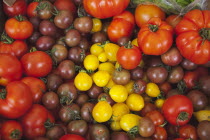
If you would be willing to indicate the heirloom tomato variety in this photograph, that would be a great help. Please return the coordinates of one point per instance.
(10, 69)
(105, 9)
(193, 39)
(16, 100)
(155, 37)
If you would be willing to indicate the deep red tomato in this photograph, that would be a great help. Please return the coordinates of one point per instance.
(16, 48)
(105, 9)
(155, 37)
(31, 9)
(193, 39)
(65, 5)
(37, 86)
(15, 100)
(36, 121)
(18, 8)
(18, 28)
(11, 130)
(177, 109)
(156, 116)
(129, 56)
(188, 131)
(10, 69)
(71, 137)
(122, 25)
(37, 64)
(160, 133)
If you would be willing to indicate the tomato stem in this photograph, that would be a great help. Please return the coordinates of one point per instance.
(66, 100)
(6, 39)
(133, 131)
(48, 124)
(3, 94)
(153, 28)
(19, 18)
(128, 45)
(183, 116)
(15, 134)
(205, 33)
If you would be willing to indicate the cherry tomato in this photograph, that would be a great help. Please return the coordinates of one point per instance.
(31, 9)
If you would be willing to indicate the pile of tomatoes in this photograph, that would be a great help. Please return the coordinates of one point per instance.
(103, 70)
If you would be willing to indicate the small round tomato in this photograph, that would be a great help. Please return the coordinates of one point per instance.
(11, 130)
(128, 121)
(160, 133)
(97, 25)
(135, 102)
(111, 51)
(156, 116)
(129, 86)
(159, 102)
(83, 81)
(188, 131)
(118, 110)
(118, 93)
(101, 78)
(31, 9)
(71, 137)
(115, 126)
(102, 57)
(107, 66)
(96, 49)
(91, 62)
(152, 90)
(37, 64)
(102, 111)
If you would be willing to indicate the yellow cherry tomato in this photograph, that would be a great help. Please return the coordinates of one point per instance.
(106, 66)
(96, 49)
(118, 93)
(134, 42)
(102, 111)
(83, 81)
(110, 84)
(97, 25)
(202, 115)
(152, 90)
(129, 86)
(101, 78)
(91, 62)
(159, 102)
(115, 126)
(111, 51)
(102, 57)
(118, 110)
(128, 121)
(135, 102)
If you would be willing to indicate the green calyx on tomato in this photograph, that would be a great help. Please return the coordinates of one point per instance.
(65, 100)
(6, 39)
(48, 124)
(3, 94)
(15, 134)
(20, 18)
(183, 116)
(133, 131)
(153, 28)
(205, 33)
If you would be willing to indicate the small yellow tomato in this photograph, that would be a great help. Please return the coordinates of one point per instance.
(111, 51)
(134, 42)
(202, 115)
(110, 84)
(106, 66)
(115, 126)
(118, 110)
(83, 81)
(128, 121)
(159, 102)
(101, 78)
(102, 111)
(91, 62)
(135, 102)
(102, 57)
(97, 25)
(118, 93)
(152, 90)
(129, 86)
(96, 49)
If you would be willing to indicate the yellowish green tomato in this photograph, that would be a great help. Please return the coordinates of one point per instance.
(118, 93)
(83, 81)
(101, 78)
(91, 62)
(152, 90)
(135, 102)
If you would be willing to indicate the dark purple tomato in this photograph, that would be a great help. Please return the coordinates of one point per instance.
(33, 38)
(81, 99)
(78, 127)
(99, 132)
(63, 19)
(47, 27)
(94, 91)
(35, 22)
(121, 77)
(139, 86)
(146, 127)
(55, 132)
(172, 92)
(45, 9)
(50, 100)
(76, 54)
(66, 69)
(152, 61)
(59, 53)
(203, 130)
(157, 74)
(204, 84)
(41, 138)
(84, 44)
(175, 75)
(119, 136)
(188, 65)
(53, 81)
(73, 37)
(147, 108)
(44, 43)
(86, 111)
(137, 73)
(98, 37)
(83, 24)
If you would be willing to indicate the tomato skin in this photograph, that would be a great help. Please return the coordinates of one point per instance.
(65, 5)
(174, 107)
(190, 78)
(11, 127)
(155, 42)
(18, 29)
(36, 64)
(71, 137)
(10, 69)
(37, 87)
(156, 117)
(17, 101)
(18, 8)
(160, 133)
(33, 121)
(105, 9)
(17, 48)
(129, 58)
(31, 9)
(189, 40)
(188, 131)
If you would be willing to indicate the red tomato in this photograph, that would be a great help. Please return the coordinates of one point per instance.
(18, 8)
(65, 5)
(190, 79)
(16, 100)
(143, 13)
(193, 39)
(71, 137)
(177, 109)
(11, 130)
(129, 57)
(16, 48)
(188, 132)
(10, 69)
(105, 9)
(155, 37)
(156, 117)
(37, 64)
(173, 20)
(31, 9)
(35, 121)
(160, 133)
(37, 86)
(122, 25)
(18, 28)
